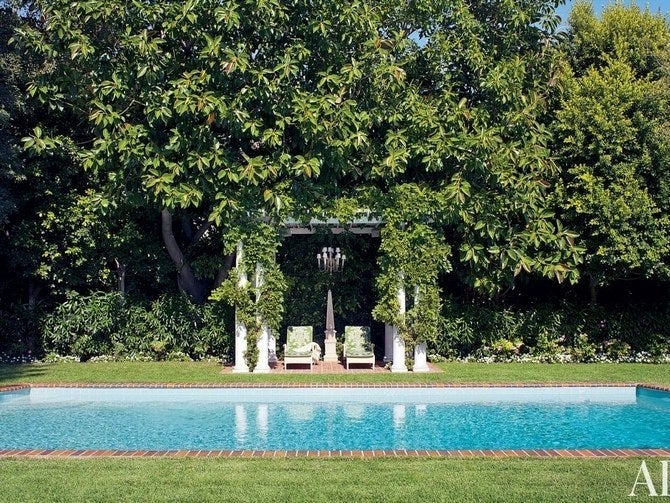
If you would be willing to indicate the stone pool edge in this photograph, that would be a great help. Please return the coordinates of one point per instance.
(335, 454)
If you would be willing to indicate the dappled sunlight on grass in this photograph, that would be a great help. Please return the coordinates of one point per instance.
(21, 372)
(211, 373)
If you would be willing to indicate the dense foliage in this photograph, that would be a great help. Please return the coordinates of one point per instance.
(109, 324)
(613, 144)
(554, 333)
(140, 142)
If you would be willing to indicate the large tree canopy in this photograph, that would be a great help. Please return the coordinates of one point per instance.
(428, 113)
(497, 148)
(218, 108)
(612, 137)
(482, 73)
(219, 105)
(236, 106)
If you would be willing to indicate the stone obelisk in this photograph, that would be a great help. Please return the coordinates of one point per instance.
(330, 354)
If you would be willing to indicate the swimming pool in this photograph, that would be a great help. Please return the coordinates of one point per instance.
(335, 418)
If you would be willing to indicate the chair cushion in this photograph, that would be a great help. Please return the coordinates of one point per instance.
(357, 340)
(299, 341)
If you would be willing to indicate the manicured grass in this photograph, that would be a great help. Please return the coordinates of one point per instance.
(548, 373)
(207, 372)
(308, 480)
(116, 372)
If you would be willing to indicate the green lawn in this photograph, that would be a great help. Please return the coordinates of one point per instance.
(308, 480)
(197, 372)
(351, 480)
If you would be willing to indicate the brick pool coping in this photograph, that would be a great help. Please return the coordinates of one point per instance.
(335, 454)
(18, 387)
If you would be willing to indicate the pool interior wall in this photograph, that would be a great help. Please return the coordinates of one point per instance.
(359, 395)
(335, 419)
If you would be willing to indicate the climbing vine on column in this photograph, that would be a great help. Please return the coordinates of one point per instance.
(260, 300)
(413, 253)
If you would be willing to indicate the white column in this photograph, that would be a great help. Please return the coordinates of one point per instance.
(240, 328)
(262, 366)
(420, 359)
(388, 343)
(398, 342)
(420, 349)
(272, 348)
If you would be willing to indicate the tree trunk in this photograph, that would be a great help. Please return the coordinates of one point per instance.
(33, 293)
(223, 272)
(593, 290)
(186, 280)
(120, 276)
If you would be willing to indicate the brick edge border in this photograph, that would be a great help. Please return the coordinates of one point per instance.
(324, 454)
(18, 387)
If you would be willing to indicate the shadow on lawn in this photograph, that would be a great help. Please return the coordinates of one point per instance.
(11, 373)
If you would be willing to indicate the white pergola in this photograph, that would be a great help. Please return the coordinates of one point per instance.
(394, 345)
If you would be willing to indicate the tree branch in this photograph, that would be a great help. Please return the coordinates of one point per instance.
(223, 272)
(202, 230)
(170, 241)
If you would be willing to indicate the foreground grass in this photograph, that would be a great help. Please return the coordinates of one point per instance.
(210, 373)
(297, 480)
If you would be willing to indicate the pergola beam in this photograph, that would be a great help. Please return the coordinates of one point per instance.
(361, 225)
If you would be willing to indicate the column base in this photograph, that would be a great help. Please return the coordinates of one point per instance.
(240, 370)
(420, 360)
(399, 368)
(330, 353)
(264, 370)
(420, 369)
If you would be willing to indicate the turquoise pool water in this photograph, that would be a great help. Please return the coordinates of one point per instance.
(335, 418)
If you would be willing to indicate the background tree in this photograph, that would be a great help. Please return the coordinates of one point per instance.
(211, 112)
(32, 189)
(216, 109)
(164, 132)
(612, 139)
(482, 72)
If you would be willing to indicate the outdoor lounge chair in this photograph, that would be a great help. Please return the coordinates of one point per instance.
(357, 346)
(300, 349)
